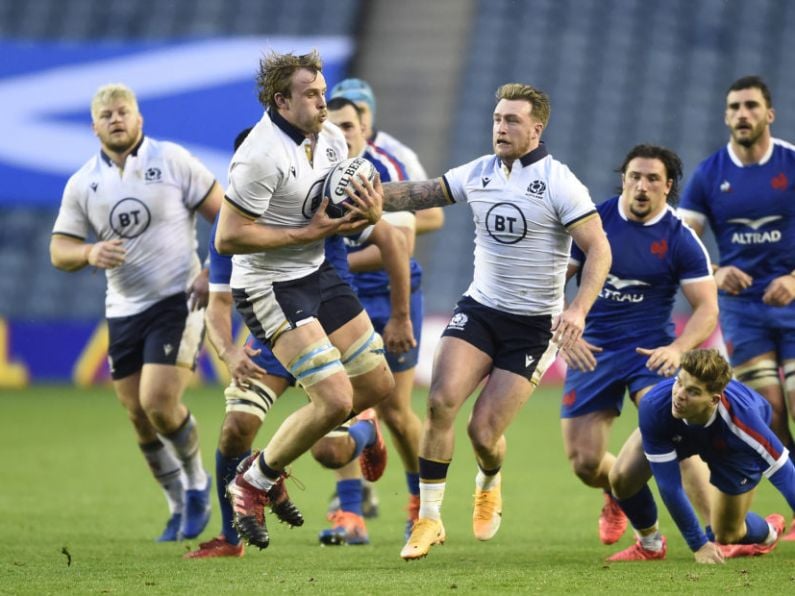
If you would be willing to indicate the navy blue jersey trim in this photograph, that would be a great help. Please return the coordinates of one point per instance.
(576, 219)
(292, 131)
(241, 210)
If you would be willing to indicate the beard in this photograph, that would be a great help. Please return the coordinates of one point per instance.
(752, 137)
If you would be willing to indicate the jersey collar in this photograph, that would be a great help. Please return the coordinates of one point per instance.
(535, 155)
(106, 158)
(765, 158)
(651, 222)
(287, 128)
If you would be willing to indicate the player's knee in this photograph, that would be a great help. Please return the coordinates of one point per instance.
(586, 466)
(248, 403)
(333, 452)
(620, 484)
(483, 437)
(238, 432)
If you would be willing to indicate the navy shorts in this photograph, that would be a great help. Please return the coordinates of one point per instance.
(322, 294)
(379, 308)
(165, 333)
(516, 343)
(617, 371)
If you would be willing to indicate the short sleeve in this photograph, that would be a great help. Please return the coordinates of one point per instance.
(251, 185)
(570, 198)
(692, 259)
(72, 219)
(194, 178)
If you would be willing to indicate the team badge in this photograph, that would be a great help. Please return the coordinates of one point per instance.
(153, 175)
(536, 189)
(458, 321)
(725, 186)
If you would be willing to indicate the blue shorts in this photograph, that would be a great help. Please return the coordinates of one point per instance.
(733, 475)
(751, 328)
(379, 307)
(617, 371)
(266, 360)
(520, 344)
(164, 333)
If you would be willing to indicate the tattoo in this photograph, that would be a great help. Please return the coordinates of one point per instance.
(413, 196)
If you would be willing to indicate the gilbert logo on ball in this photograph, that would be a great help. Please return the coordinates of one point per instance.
(340, 178)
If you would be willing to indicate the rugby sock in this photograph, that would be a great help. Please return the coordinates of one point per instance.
(413, 482)
(363, 435)
(166, 470)
(758, 530)
(640, 508)
(486, 480)
(710, 534)
(185, 443)
(432, 484)
(225, 470)
(350, 492)
(260, 474)
(652, 542)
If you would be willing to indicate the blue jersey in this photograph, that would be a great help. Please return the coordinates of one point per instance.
(374, 283)
(650, 261)
(736, 444)
(751, 210)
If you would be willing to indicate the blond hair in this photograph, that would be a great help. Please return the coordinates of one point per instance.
(539, 101)
(108, 93)
(709, 367)
(276, 74)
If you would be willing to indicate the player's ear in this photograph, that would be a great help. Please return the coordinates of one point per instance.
(281, 100)
(771, 116)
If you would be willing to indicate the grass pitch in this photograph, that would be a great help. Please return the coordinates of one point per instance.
(79, 512)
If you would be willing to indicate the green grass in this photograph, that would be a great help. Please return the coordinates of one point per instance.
(72, 478)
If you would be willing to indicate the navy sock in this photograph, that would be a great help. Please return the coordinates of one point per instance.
(640, 508)
(433, 470)
(710, 534)
(413, 482)
(363, 435)
(757, 529)
(225, 470)
(350, 494)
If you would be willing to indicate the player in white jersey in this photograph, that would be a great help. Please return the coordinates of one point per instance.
(527, 207)
(360, 92)
(139, 197)
(274, 221)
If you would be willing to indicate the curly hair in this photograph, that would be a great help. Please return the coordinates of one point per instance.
(539, 101)
(276, 74)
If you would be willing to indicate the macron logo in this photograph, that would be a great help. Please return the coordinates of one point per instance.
(167, 349)
(528, 360)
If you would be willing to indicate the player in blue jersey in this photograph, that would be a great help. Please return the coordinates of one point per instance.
(746, 192)
(628, 344)
(360, 92)
(703, 411)
(386, 309)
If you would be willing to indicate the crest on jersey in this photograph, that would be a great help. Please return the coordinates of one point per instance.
(130, 218)
(536, 189)
(458, 321)
(505, 223)
(313, 198)
(725, 186)
(153, 175)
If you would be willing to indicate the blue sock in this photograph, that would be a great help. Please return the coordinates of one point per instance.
(363, 435)
(350, 494)
(757, 529)
(413, 481)
(640, 508)
(225, 470)
(710, 534)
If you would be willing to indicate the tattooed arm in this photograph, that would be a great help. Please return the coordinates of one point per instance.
(413, 196)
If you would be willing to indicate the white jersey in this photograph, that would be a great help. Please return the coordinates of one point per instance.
(405, 155)
(272, 180)
(151, 206)
(521, 239)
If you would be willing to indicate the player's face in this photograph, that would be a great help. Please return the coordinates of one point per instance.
(515, 132)
(366, 117)
(691, 400)
(645, 188)
(348, 120)
(306, 106)
(118, 125)
(748, 116)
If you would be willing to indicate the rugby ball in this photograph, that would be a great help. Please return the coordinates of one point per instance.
(340, 178)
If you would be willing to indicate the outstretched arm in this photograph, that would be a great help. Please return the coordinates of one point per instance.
(413, 196)
(669, 483)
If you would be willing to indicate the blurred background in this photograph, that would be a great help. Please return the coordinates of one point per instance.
(619, 72)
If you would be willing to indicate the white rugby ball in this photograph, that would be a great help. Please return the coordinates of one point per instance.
(340, 178)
